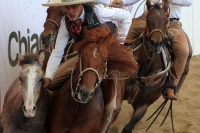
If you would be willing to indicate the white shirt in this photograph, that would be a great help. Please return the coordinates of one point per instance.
(176, 7)
(105, 2)
(125, 2)
(104, 14)
(129, 2)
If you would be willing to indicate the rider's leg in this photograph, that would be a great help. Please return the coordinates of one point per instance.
(136, 28)
(63, 72)
(182, 55)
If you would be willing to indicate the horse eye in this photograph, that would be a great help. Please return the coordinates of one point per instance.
(20, 78)
(41, 79)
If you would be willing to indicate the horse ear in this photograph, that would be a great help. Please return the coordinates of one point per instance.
(41, 58)
(148, 4)
(20, 58)
(166, 5)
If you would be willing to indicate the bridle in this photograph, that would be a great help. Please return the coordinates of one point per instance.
(55, 33)
(155, 30)
(100, 78)
(52, 22)
(148, 35)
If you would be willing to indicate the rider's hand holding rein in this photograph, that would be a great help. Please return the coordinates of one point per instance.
(46, 82)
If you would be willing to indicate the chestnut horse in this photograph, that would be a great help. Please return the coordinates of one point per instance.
(154, 64)
(51, 27)
(26, 104)
(78, 106)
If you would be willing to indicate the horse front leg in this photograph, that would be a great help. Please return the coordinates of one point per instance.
(107, 116)
(110, 107)
(137, 115)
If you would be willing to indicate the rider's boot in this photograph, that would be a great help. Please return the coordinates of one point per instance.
(170, 94)
(170, 89)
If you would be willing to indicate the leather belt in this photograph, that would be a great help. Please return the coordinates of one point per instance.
(172, 19)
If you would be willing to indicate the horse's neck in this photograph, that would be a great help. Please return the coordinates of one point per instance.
(150, 63)
(46, 56)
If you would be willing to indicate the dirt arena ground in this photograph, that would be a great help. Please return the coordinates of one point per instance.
(186, 110)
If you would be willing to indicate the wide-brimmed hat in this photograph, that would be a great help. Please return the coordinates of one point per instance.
(67, 2)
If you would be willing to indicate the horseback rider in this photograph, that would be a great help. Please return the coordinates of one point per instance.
(81, 13)
(77, 12)
(180, 42)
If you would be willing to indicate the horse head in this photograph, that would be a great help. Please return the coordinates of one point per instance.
(52, 24)
(156, 24)
(100, 54)
(92, 64)
(31, 77)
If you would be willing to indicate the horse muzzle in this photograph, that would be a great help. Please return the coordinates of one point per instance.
(85, 95)
(29, 111)
(47, 39)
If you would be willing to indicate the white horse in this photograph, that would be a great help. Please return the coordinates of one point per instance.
(26, 104)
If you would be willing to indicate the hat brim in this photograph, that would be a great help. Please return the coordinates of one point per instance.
(68, 3)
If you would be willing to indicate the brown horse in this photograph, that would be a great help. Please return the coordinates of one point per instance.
(26, 104)
(54, 16)
(152, 73)
(52, 24)
(51, 27)
(78, 106)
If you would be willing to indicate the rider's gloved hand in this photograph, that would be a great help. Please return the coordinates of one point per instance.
(46, 82)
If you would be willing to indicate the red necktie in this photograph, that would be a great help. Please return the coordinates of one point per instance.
(76, 27)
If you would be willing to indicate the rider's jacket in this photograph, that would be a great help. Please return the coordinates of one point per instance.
(90, 21)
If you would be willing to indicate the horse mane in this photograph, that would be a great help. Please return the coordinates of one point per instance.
(119, 57)
(94, 35)
(28, 58)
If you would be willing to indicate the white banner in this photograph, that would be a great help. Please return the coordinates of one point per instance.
(21, 25)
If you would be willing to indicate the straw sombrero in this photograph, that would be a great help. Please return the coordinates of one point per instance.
(67, 2)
